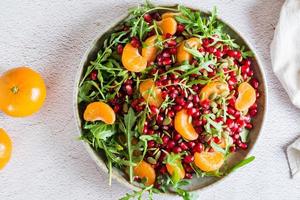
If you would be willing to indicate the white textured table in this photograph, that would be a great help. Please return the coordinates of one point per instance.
(49, 163)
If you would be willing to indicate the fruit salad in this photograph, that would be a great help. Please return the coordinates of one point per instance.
(168, 98)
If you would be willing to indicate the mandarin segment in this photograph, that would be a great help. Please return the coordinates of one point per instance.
(151, 93)
(145, 170)
(214, 88)
(99, 111)
(132, 59)
(167, 25)
(5, 148)
(246, 97)
(209, 161)
(183, 125)
(149, 52)
(182, 54)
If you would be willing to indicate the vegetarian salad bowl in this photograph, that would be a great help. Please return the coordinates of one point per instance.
(170, 100)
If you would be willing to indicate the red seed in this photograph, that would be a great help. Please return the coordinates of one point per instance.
(170, 144)
(171, 43)
(145, 130)
(188, 159)
(120, 49)
(249, 126)
(165, 139)
(191, 144)
(250, 73)
(94, 75)
(191, 111)
(245, 69)
(189, 105)
(232, 53)
(231, 110)
(219, 54)
(147, 18)
(188, 176)
(173, 51)
(198, 148)
(177, 107)
(205, 104)
(177, 150)
(135, 42)
(247, 62)
(180, 101)
(216, 140)
(232, 149)
(253, 112)
(151, 143)
(240, 122)
(156, 16)
(177, 137)
(211, 49)
(180, 28)
(159, 119)
(183, 146)
(150, 131)
(254, 82)
(229, 123)
(154, 109)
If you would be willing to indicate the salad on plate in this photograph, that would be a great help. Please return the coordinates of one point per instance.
(169, 98)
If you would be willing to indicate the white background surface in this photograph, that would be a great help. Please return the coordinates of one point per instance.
(49, 163)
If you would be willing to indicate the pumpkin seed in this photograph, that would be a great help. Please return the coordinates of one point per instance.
(151, 160)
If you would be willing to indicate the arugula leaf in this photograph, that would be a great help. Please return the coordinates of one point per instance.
(101, 130)
(129, 122)
(241, 164)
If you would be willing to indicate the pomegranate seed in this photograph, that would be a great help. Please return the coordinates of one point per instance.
(177, 137)
(129, 90)
(197, 122)
(243, 145)
(135, 42)
(183, 146)
(167, 61)
(229, 123)
(94, 75)
(178, 107)
(171, 43)
(189, 105)
(254, 83)
(240, 122)
(253, 112)
(163, 169)
(159, 119)
(120, 49)
(191, 111)
(249, 126)
(165, 139)
(232, 81)
(156, 16)
(205, 42)
(166, 55)
(198, 148)
(216, 140)
(188, 176)
(151, 143)
(231, 110)
(205, 104)
(211, 50)
(250, 73)
(191, 144)
(116, 108)
(232, 102)
(180, 28)
(196, 114)
(257, 94)
(247, 62)
(196, 99)
(154, 109)
(232, 149)
(188, 159)
(232, 53)
(245, 69)
(164, 94)
(147, 18)
(145, 130)
(238, 55)
(170, 144)
(150, 132)
(188, 168)
(219, 54)
(180, 101)
(177, 150)
(173, 51)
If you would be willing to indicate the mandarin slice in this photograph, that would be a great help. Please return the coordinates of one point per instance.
(149, 52)
(151, 93)
(132, 60)
(214, 88)
(209, 161)
(177, 168)
(5, 148)
(183, 125)
(169, 14)
(183, 55)
(99, 111)
(246, 98)
(167, 25)
(145, 170)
